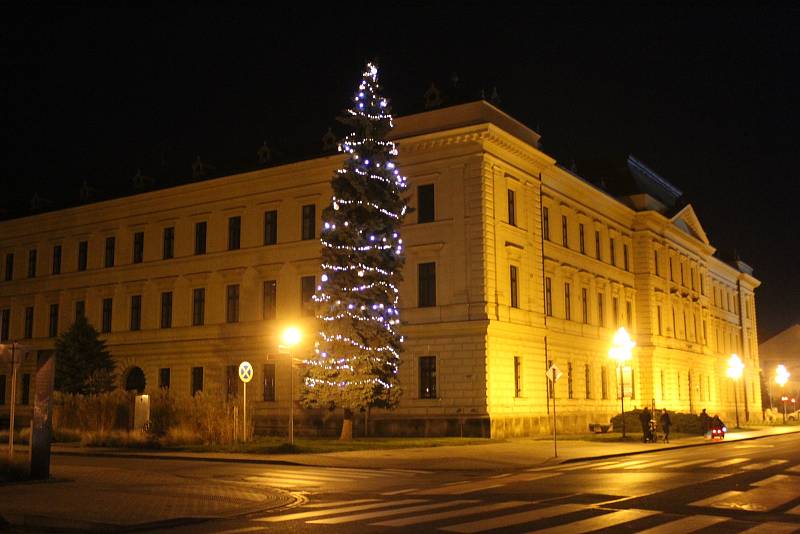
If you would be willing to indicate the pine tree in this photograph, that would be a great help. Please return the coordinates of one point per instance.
(357, 352)
(83, 365)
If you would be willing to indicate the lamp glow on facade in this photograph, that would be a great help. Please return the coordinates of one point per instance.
(781, 375)
(735, 367)
(291, 336)
(621, 350)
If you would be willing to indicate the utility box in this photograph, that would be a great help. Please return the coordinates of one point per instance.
(141, 412)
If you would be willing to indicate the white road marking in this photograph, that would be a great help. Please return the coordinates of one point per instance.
(688, 463)
(763, 498)
(489, 483)
(403, 522)
(763, 465)
(400, 492)
(598, 522)
(619, 465)
(334, 511)
(514, 519)
(384, 513)
(772, 527)
(726, 463)
(337, 503)
(687, 524)
(648, 464)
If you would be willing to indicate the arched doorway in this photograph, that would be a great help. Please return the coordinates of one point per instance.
(134, 380)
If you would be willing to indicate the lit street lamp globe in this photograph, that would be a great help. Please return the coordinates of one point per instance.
(735, 367)
(291, 336)
(781, 375)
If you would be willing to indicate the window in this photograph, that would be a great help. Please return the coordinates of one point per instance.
(587, 380)
(633, 383)
(269, 382)
(685, 326)
(425, 204)
(564, 231)
(598, 253)
(514, 290)
(166, 309)
(9, 274)
(52, 329)
(567, 307)
(29, 322)
(512, 208)
(426, 273)
(136, 312)
(517, 376)
(26, 389)
(615, 311)
(625, 257)
(663, 385)
(56, 259)
(702, 287)
(197, 380)
(307, 296)
(585, 304)
(658, 317)
(234, 232)
(427, 377)
(604, 382)
(705, 332)
(108, 258)
(601, 313)
(232, 381)
(309, 229)
(200, 231)
(671, 272)
(32, 263)
(232, 304)
(581, 238)
(569, 380)
(691, 277)
(198, 306)
(83, 255)
(674, 324)
(107, 310)
(164, 375)
(270, 227)
(655, 263)
(683, 281)
(2, 389)
(546, 223)
(5, 321)
(678, 383)
(80, 309)
(548, 296)
(270, 302)
(612, 252)
(168, 247)
(629, 314)
(138, 247)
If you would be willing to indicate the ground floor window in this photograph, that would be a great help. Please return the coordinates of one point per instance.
(269, 382)
(26, 390)
(427, 377)
(197, 380)
(164, 377)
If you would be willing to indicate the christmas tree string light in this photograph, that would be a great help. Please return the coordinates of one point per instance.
(357, 352)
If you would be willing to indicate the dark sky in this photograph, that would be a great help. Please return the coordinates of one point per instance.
(707, 98)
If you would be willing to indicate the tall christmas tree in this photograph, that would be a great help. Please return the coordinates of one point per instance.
(357, 352)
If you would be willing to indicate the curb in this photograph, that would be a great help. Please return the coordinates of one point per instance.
(157, 456)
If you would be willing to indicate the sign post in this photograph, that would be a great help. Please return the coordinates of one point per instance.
(246, 375)
(553, 374)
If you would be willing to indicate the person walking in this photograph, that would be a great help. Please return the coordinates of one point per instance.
(644, 419)
(666, 422)
(705, 423)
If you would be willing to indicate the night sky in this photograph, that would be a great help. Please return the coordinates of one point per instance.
(707, 98)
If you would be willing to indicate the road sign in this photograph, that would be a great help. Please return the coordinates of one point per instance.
(553, 374)
(245, 372)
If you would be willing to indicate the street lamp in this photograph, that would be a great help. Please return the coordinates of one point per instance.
(621, 350)
(14, 364)
(291, 337)
(735, 368)
(781, 377)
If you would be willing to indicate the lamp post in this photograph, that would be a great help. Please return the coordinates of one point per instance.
(12, 404)
(735, 368)
(621, 350)
(781, 377)
(291, 337)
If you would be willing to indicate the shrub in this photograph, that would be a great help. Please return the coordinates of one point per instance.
(685, 423)
(103, 412)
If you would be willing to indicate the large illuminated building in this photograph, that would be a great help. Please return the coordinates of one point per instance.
(512, 263)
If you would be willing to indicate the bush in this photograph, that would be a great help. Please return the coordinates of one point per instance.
(137, 440)
(685, 423)
(103, 412)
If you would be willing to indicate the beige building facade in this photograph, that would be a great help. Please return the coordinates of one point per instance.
(531, 265)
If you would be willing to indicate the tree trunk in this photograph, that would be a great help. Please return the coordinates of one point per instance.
(347, 426)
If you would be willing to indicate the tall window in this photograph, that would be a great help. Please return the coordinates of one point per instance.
(548, 296)
(598, 252)
(198, 306)
(234, 232)
(425, 204)
(517, 376)
(564, 231)
(601, 313)
(5, 322)
(570, 394)
(625, 257)
(612, 252)
(691, 277)
(166, 309)
(512, 208)
(138, 247)
(269, 382)
(585, 304)
(615, 311)
(582, 238)
(629, 314)
(309, 222)
(655, 262)
(702, 285)
(164, 377)
(232, 304)
(52, 329)
(232, 376)
(32, 263)
(514, 289)
(80, 309)
(26, 389)
(546, 223)
(604, 382)
(658, 317)
(427, 377)
(587, 380)
(136, 312)
(671, 272)
(168, 247)
(683, 280)
(567, 306)
(270, 302)
(9, 273)
(307, 295)
(197, 380)
(674, 324)
(29, 322)
(426, 273)
(108, 258)
(200, 231)
(705, 332)
(270, 227)
(56, 259)
(83, 255)
(107, 310)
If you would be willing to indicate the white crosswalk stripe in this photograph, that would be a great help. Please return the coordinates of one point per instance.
(773, 527)
(514, 519)
(686, 524)
(429, 518)
(766, 495)
(385, 513)
(334, 511)
(293, 478)
(601, 521)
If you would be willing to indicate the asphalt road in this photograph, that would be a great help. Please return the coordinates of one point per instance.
(748, 486)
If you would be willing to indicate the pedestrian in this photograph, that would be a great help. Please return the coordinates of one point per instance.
(705, 423)
(666, 422)
(644, 418)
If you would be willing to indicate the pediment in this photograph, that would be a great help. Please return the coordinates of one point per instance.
(686, 220)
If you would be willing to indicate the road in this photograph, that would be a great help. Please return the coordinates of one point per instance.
(749, 486)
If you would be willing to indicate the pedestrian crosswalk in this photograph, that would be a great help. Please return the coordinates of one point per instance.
(303, 477)
(628, 464)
